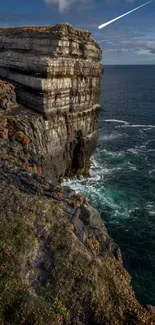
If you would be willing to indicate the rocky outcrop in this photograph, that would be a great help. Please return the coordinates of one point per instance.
(58, 264)
(56, 72)
(85, 220)
(66, 155)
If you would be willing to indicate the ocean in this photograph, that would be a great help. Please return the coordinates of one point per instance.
(122, 182)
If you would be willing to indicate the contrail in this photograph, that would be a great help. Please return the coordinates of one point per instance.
(127, 13)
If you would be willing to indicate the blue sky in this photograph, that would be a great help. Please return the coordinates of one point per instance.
(130, 40)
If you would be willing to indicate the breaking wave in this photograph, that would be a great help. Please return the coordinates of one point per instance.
(148, 126)
(116, 121)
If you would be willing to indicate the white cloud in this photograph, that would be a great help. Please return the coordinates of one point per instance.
(65, 5)
(144, 52)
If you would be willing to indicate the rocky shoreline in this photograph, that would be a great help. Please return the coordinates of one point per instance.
(58, 265)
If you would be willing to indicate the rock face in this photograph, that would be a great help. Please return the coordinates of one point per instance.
(57, 73)
(64, 156)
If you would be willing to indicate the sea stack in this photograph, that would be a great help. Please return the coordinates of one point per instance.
(57, 73)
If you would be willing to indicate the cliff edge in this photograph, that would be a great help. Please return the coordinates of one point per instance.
(58, 265)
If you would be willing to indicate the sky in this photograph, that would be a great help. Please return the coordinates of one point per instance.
(130, 40)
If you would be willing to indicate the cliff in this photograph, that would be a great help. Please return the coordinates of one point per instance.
(58, 265)
(56, 72)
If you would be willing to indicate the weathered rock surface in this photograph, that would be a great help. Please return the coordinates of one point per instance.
(56, 72)
(58, 265)
(150, 308)
(7, 95)
(51, 145)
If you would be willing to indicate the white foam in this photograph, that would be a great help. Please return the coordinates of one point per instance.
(113, 153)
(95, 164)
(150, 205)
(131, 166)
(151, 208)
(109, 137)
(117, 121)
(142, 147)
(133, 150)
(101, 195)
(136, 126)
(151, 171)
(152, 213)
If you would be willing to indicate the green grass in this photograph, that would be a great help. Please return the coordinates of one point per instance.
(79, 287)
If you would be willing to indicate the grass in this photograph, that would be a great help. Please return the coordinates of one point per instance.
(48, 277)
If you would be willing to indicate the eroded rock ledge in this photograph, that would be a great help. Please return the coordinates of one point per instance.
(56, 73)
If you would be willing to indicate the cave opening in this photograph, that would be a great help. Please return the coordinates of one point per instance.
(78, 152)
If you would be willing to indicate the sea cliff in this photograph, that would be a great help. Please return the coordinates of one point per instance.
(58, 265)
(56, 72)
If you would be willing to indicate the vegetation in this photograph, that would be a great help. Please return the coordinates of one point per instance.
(49, 277)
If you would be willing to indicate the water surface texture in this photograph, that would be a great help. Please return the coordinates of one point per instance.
(122, 182)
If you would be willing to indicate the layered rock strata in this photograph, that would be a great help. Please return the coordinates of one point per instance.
(57, 73)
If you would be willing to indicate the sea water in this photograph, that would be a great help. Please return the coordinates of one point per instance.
(122, 182)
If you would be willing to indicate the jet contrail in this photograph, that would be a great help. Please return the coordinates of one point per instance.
(127, 13)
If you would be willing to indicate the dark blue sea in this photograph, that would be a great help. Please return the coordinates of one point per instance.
(122, 182)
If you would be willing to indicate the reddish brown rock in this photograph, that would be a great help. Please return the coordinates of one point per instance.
(7, 95)
(21, 137)
(3, 127)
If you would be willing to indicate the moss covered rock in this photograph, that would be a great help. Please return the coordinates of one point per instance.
(49, 274)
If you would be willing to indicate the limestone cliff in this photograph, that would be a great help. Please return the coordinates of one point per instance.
(56, 72)
(58, 265)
